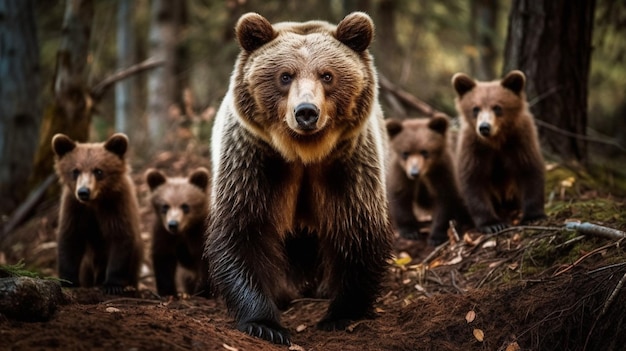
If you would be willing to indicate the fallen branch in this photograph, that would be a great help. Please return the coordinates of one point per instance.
(406, 98)
(99, 89)
(597, 230)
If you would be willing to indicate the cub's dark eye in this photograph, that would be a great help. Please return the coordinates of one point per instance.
(327, 77)
(185, 208)
(286, 78)
(98, 173)
(497, 109)
(165, 208)
(476, 111)
(75, 174)
(405, 155)
(424, 153)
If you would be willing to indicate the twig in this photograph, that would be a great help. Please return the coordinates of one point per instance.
(406, 97)
(609, 301)
(583, 257)
(597, 230)
(435, 252)
(578, 136)
(99, 89)
(529, 227)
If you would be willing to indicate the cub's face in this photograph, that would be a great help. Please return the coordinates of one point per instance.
(302, 87)
(417, 144)
(490, 107)
(179, 202)
(90, 170)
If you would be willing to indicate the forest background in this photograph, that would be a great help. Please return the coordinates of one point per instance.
(91, 68)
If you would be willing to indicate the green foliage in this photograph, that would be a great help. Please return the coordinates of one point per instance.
(20, 270)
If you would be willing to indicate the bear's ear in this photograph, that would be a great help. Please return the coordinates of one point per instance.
(462, 83)
(154, 178)
(253, 31)
(439, 123)
(394, 127)
(62, 144)
(514, 81)
(117, 144)
(200, 178)
(356, 30)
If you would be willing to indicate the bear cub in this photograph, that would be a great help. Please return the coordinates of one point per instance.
(181, 208)
(500, 167)
(99, 242)
(298, 201)
(421, 174)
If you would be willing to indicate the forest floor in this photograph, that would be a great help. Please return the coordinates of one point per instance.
(541, 287)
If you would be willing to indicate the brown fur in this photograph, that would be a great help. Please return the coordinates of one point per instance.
(181, 208)
(98, 238)
(298, 204)
(421, 172)
(501, 170)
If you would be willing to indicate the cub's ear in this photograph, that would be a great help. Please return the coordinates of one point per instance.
(154, 178)
(439, 123)
(117, 144)
(356, 30)
(514, 81)
(253, 31)
(394, 126)
(200, 178)
(462, 83)
(62, 144)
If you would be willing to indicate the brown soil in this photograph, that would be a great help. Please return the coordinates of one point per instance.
(540, 288)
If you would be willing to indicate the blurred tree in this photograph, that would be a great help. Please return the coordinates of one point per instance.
(483, 29)
(20, 103)
(166, 31)
(550, 41)
(125, 58)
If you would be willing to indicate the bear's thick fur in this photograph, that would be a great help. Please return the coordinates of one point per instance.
(421, 173)
(99, 242)
(500, 166)
(181, 206)
(298, 197)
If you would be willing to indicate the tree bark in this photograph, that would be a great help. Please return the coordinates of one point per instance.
(484, 28)
(550, 41)
(20, 105)
(125, 58)
(70, 113)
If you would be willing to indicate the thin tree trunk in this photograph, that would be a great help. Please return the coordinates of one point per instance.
(70, 113)
(125, 58)
(20, 105)
(550, 41)
(483, 27)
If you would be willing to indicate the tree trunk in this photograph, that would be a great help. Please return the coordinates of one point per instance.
(20, 106)
(550, 41)
(70, 113)
(484, 28)
(125, 58)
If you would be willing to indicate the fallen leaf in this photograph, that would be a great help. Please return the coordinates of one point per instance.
(470, 316)
(301, 327)
(514, 346)
(402, 261)
(229, 348)
(295, 347)
(112, 310)
(479, 335)
(489, 243)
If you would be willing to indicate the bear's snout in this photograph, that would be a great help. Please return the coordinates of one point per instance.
(83, 193)
(172, 226)
(484, 129)
(307, 115)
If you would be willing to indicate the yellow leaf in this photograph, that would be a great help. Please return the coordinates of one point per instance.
(402, 261)
(479, 335)
(470, 316)
(513, 347)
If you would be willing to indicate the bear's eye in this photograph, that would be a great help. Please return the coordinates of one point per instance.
(405, 155)
(185, 208)
(327, 77)
(476, 111)
(424, 153)
(286, 78)
(165, 208)
(75, 173)
(98, 173)
(497, 109)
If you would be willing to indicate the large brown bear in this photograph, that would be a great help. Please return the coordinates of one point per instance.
(501, 170)
(298, 193)
(181, 206)
(421, 173)
(99, 243)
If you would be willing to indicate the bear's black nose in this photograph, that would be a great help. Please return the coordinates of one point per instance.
(172, 226)
(484, 129)
(83, 193)
(307, 115)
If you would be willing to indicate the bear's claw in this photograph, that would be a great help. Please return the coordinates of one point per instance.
(262, 331)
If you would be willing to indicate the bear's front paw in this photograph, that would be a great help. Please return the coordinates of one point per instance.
(275, 334)
(328, 324)
(113, 289)
(493, 228)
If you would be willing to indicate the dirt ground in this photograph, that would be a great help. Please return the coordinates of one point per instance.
(528, 288)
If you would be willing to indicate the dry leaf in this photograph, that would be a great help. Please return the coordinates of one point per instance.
(112, 310)
(513, 266)
(295, 347)
(470, 316)
(479, 335)
(489, 243)
(514, 346)
(229, 348)
(301, 327)
(402, 261)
